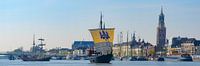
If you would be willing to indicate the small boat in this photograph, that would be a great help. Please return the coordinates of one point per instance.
(196, 57)
(76, 58)
(121, 58)
(142, 58)
(172, 58)
(161, 59)
(182, 57)
(58, 58)
(138, 58)
(133, 58)
(11, 57)
(186, 57)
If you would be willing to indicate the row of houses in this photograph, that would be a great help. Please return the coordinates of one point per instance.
(182, 45)
(133, 48)
(122, 49)
(139, 47)
(80, 48)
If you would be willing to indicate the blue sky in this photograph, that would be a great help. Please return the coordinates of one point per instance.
(61, 22)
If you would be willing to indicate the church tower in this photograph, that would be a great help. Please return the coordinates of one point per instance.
(161, 33)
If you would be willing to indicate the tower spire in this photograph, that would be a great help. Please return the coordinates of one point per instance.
(162, 9)
(134, 35)
(104, 27)
(161, 18)
(161, 13)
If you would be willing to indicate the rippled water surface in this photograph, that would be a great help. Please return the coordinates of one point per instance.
(87, 63)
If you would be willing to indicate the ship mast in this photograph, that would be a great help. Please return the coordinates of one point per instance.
(132, 42)
(121, 42)
(33, 39)
(131, 45)
(101, 22)
(33, 48)
(41, 45)
(127, 45)
(118, 41)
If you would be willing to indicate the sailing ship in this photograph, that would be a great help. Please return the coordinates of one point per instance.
(37, 53)
(35, 58)
(103, 39)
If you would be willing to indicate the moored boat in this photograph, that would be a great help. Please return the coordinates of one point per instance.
(138, 58)
(172, 58)
(142, 58)
(161, 59)
(133, 58)
(186, 57)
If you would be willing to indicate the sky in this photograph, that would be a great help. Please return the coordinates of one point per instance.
(61, 22)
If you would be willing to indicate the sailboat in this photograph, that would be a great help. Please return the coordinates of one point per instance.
(103, 39)
(37, 53)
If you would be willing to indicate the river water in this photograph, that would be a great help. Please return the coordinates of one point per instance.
(4, 62)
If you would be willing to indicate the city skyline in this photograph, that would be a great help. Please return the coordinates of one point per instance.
(61, 22)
